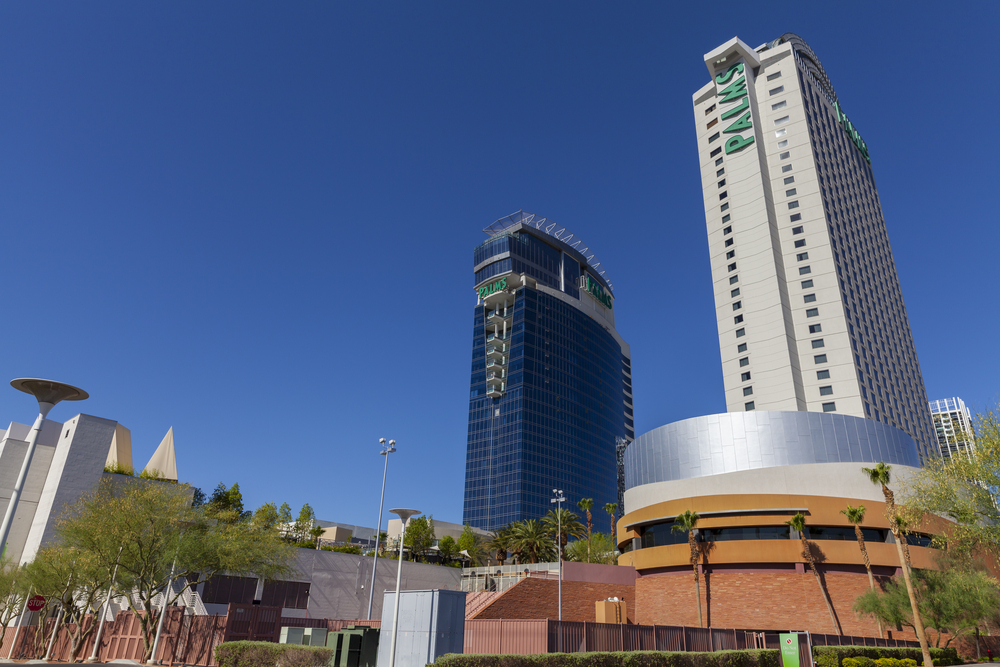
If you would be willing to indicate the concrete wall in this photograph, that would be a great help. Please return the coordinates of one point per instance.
(12, 450)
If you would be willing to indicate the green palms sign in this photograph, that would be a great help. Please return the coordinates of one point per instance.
(789, 649)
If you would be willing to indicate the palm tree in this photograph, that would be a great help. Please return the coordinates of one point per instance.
(856, 516)
(531, 539)
(612, 510)
(571, 527)
(798, 524)
(499, 543)
(881, 475)
(585, 504)
(687, 522)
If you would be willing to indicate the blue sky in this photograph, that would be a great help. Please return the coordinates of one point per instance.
(254, 222)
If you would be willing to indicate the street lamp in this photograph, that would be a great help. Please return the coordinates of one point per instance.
(47, 393)
(405, 515)
(386, 450)
(167, 590)
(559, 500)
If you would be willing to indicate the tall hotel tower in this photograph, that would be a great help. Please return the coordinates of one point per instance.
(551, 390)
(810, 313)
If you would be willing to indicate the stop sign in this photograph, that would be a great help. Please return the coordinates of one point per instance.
(36, 603)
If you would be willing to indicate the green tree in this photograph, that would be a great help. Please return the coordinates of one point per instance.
(602, 550)
(286, 523)
(447, 549)
(144, 527)
(306, 521)
(881, 475)
(471, 543)
(586, 504)
(498, 543)
(798, 524)
(420, 537)
(13, 587)
(265, 517)
(571, 527)
(533, 542)
(856, 516)
(952, 601)
(227, 504)
(612, 511)
(687, 522)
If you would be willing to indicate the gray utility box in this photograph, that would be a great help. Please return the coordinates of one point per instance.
(291, 635)
(431, 623)
(353, 646)
(303, 636)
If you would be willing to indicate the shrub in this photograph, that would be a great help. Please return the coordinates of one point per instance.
(873, 656)
(268, 654)
(749, 658)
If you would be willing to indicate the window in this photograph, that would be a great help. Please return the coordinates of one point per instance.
(801, 256)
(775, 91)
(787, 167)
(711, 123)
(731, 267)
(716, 152)
(826, 391)
(819, 359)
(796, 230)
(793, 204)
(790, 193)
(725, 218)
(806, 284)
(809, 298)
(822, 375)
(789, 180)
(780, 105)
(722, 183)
(748, 405)
(223, 589)
(818, 343)
(744, 376)
(737, 319)
(747, 391)
(803, 270)
(727, 230)
(733, 280)
(735, 292)
(795, 217)
(713, 137)
(812, 312)
(709, 109)
(738, 304)
(720, 172)
(829, 407)
(785, 155)
(772, 77)
(724, 207)
(780, 133)
(800, 243)
(742, 347)
(730, 254)
(741, 332)
(781, 121)
(729, 242)
(745, 361)
(782, 143)
(288, 594)
(815, 328)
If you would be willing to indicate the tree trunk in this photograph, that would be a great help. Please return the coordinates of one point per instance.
(694, 567)
(868, 567)
(918, 624)
(819, 582)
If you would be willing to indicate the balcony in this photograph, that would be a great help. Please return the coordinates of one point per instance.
(496, 351)
(499, 315)
(494, 391)
(496, 376)
(496, 364)
(496, 337)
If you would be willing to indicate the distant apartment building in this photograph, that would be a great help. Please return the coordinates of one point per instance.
(953, 424)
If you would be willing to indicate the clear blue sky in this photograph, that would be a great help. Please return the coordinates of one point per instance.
(254, 222)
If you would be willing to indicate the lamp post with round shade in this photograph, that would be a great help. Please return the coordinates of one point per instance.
(559, 500)
(386, 450)
(47, 393)
(405, 515)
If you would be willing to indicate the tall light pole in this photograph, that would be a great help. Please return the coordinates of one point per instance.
(405, 516)
(386, 450)
(559, 500)
(47, 393)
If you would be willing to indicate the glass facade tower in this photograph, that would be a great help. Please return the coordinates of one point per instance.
(551, 385)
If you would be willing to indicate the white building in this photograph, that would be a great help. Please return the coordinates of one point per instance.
(809, 308)
(953, 424)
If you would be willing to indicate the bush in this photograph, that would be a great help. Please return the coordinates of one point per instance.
(268, 654)
(880, 656)
(749, 658)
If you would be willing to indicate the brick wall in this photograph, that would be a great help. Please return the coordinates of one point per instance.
(539, 598)
(784, 600)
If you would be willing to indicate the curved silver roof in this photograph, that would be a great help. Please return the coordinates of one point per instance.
(808, 56)
(556, 231)
(735, 441)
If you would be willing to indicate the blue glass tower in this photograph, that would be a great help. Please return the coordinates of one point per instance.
(551, 389)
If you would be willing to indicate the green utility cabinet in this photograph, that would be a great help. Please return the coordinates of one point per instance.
(303, 636)
(354, 646)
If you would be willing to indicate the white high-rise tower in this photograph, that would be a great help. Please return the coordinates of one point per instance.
(809, 308)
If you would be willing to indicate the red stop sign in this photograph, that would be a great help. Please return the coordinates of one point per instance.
(36, 603)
